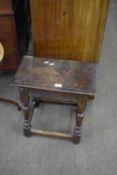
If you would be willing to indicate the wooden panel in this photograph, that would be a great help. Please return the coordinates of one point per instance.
(10, 62)
(68, 29)
(6, 25)
(9, 45)
(5, 7)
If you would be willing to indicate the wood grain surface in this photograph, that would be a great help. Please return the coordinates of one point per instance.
(56, 75)
(69, 29)
(6, 7)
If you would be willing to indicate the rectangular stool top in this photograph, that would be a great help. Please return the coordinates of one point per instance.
(56, 75)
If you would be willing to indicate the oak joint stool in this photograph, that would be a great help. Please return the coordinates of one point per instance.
(50, 80)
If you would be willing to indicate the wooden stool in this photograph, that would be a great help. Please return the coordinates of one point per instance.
(61, 81)
(6, 100)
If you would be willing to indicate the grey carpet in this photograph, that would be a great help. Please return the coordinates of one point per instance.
(97, 152)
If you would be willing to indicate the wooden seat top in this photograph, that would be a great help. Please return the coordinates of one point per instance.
(56, 75)
(1, 52)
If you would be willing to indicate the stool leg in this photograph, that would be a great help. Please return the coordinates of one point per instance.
(27, 121)
(82, 102)
(26, 111)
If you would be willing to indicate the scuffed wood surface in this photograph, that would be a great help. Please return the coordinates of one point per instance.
(56, 75)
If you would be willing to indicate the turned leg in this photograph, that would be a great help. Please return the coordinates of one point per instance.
(26, 111)
(82, 102)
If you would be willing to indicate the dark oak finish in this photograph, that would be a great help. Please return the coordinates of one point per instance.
(24, 95)
(13, 32)
(48, 74)
(62, 81)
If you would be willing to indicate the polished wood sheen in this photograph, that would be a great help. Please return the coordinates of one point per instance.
(69, 29)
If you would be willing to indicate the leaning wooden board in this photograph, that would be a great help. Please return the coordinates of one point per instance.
(69, 29)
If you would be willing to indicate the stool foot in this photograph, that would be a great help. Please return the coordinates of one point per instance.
(76, 140)
(27, 133)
